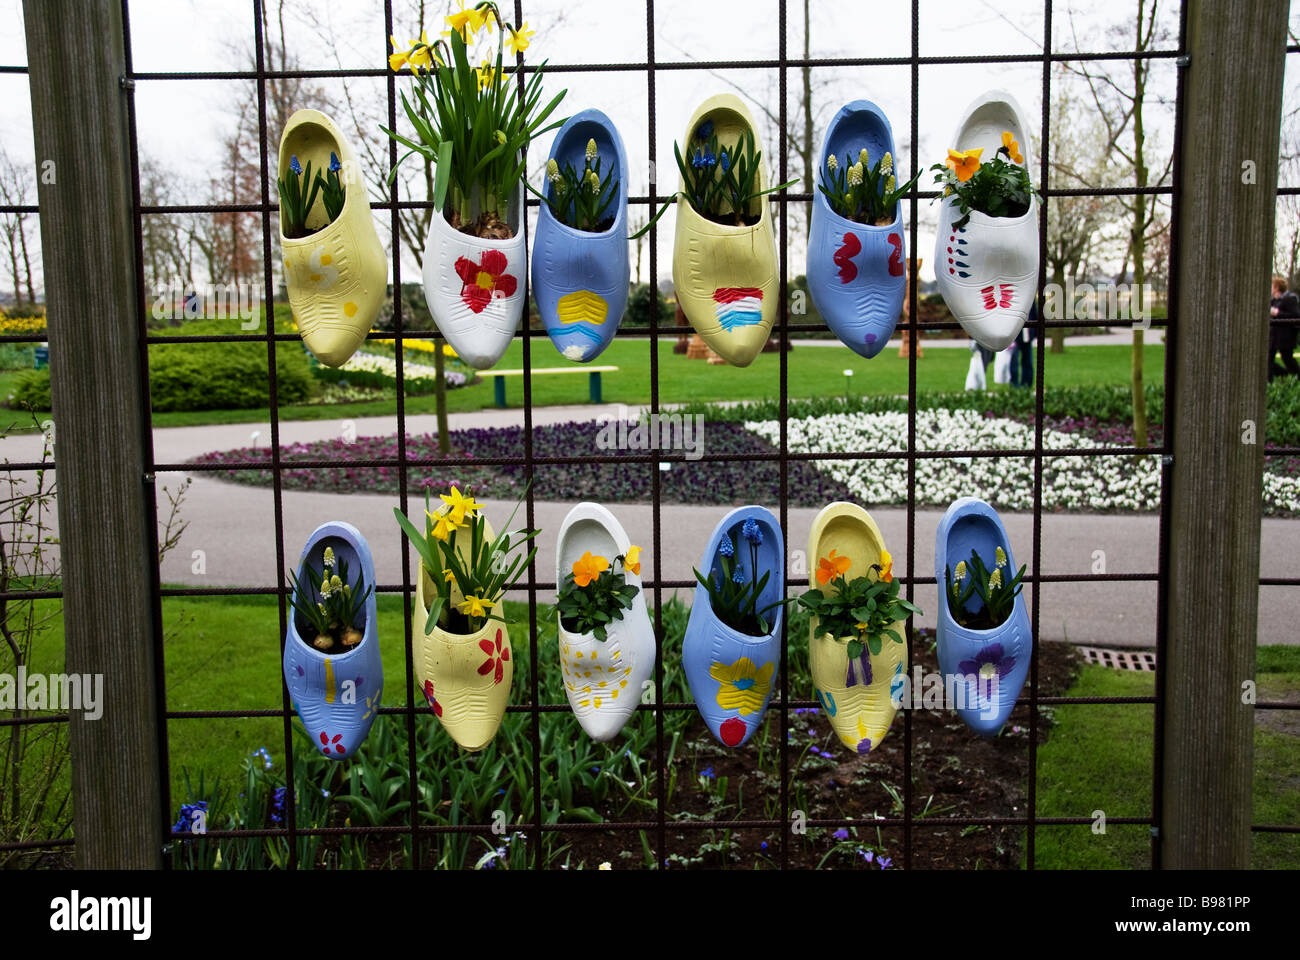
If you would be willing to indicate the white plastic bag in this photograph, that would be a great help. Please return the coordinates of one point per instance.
(975, 375)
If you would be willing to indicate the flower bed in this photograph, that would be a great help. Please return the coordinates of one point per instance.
(685, 482)
(376, 370)
(1108, 484)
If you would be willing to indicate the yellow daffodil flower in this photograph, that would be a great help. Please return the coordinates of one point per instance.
(442, 525)
(632, 561)
(461, 506)
(1013, 148)
(475, 606)
(517, 40)
(964, 162)
(488, 76)
(587, 568)
(464, 22)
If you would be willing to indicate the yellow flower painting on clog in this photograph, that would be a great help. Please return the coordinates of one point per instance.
(321, 273)
(742, 686)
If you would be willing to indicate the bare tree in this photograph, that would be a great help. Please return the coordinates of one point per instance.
(17, 187)
(1120, 97)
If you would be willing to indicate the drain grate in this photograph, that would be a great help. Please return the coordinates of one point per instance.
(1119, 659)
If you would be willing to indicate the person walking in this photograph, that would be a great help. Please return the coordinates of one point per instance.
(1282, 337)
(1022, 362)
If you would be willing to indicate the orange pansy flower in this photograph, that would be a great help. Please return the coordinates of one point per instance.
(828, 568)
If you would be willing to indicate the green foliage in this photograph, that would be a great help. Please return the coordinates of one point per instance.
(224, 376)
(998, 188)
(1282, 422)
(997, 594)
(340, 601)
(638, 307)
(863, 192)
(580, 200)
(592, 607)
(859, 611)
(332, 191)
(297, 196)
(32, 389)
(722, 181)
(733, 596)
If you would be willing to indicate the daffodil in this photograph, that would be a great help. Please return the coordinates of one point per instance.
(475, 606)
(442, 525)
(518, 40)
(632, 560)
(488, 76)
(421, 54)
(587, 568)
(964, 162)
(461, 506)
(1012, 147)
(830, 567)
(464, 23)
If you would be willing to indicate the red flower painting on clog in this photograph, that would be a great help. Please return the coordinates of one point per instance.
(484, 280)
(497, 657)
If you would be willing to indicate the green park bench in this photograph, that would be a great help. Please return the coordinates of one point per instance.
(593, 382)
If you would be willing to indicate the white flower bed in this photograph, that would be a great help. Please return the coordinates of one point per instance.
(1115, 483)
(387, 366)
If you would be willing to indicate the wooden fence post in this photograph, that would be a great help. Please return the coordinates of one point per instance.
(76, 59)
(1224, 250)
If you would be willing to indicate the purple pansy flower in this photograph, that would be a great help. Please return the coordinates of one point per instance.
(990, 656)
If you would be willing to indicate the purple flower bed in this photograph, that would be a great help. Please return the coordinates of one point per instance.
(690, 482)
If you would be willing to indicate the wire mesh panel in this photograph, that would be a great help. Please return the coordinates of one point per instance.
(911, 815)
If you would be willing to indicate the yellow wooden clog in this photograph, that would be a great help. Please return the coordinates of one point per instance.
(464, 677)
(854, 693)
(725, 277)
(338, 276)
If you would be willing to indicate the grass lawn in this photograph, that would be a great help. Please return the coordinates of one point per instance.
(812, 372)
(1098, 757)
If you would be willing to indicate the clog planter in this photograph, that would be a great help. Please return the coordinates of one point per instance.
(988, 268)
(725, 276)
(732, 674)
(465, 677)
(475, 286)
(336, 696)
(603, 679)
(988, 665)
(337, 277)
(855, 692)
(580, 277)
(856, 275)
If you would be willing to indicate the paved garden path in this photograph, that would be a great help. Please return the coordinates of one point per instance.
(232, 527)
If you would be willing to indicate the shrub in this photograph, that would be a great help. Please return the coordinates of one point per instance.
(32, 389)
(638, 307)
(224, 376)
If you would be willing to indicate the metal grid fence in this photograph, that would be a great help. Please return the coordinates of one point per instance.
(1030, 700)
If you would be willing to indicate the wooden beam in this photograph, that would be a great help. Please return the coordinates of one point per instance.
(79, 113)
(1224, 249)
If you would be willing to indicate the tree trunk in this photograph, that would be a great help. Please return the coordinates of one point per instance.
(27, 259)
(809, 148)
(1138, 235)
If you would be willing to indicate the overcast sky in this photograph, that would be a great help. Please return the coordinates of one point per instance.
(182, 122)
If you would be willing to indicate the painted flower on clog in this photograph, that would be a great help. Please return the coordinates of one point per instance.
(497, 657)
(864, 741)
(990, 665)
(484, 280)
(327, 742)
(742, 686)
(434, 705)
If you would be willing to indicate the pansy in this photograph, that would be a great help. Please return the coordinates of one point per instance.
(632, 561)
(886, 566)
(831, 567)
(964, 162)
(1012, 148)
(588, 568)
